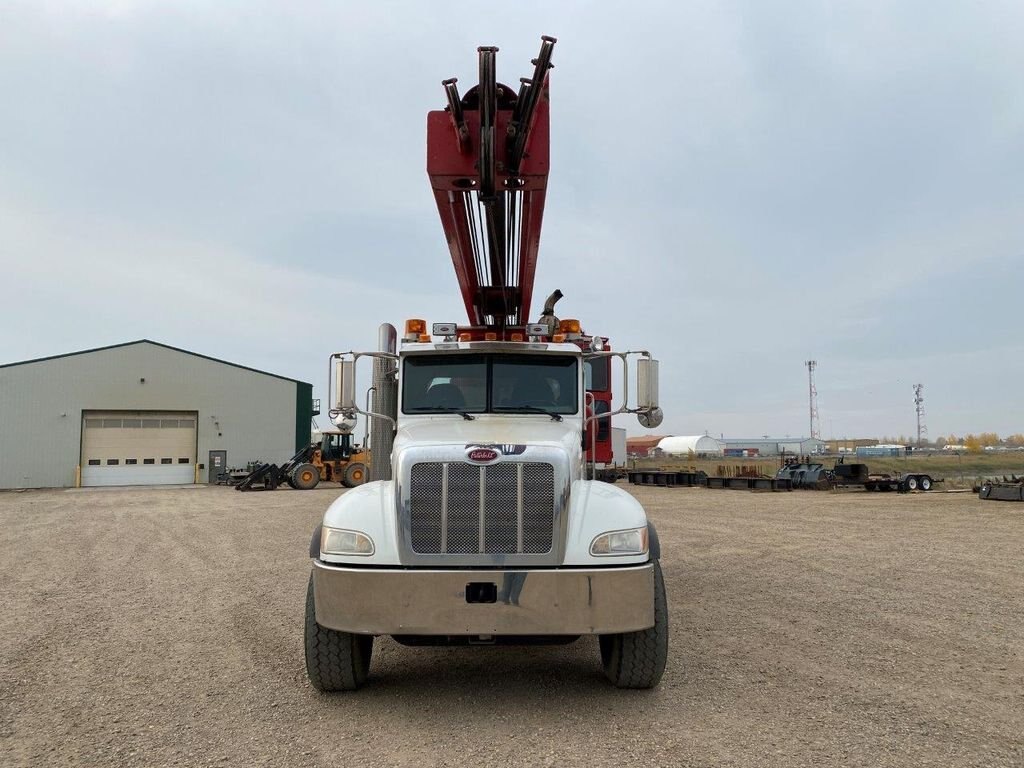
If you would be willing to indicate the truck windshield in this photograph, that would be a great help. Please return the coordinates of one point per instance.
(498, 383)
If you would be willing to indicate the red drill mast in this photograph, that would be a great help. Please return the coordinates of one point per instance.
(487, 158)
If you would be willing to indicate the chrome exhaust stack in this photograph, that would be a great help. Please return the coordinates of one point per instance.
(385, 402)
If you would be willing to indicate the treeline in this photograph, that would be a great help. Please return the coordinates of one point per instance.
(971, 442)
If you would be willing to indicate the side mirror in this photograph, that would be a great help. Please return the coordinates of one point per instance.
(650, 419)
(345, 385)
(346, 423)
(646, 383)
(650, 415)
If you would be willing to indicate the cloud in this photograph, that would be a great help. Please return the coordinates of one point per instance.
(737, 187)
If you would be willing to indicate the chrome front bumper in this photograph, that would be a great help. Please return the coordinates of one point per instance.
(564, 601)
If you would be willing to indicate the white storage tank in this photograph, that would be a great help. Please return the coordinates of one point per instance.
(682, 445)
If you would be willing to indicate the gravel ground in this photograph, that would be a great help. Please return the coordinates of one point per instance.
(164, 627)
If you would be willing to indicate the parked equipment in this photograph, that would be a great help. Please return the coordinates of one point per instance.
(806, 475)
(697, 479)
(267, 476)
(903, 482)
(340, 460)
(849, 474)
(332, 458)
(1002, 491)
(815, 476)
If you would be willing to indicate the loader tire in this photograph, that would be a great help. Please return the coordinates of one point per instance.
(305, 477)
(335, 661)
(637, 659)
(355, 474)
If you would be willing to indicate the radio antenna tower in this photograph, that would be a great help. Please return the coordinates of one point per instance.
(922, 430)
(813, 398)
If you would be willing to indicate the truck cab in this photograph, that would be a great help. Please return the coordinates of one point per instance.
(486, 528)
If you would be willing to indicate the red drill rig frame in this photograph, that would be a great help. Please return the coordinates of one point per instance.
(488, 160)
(488, 157)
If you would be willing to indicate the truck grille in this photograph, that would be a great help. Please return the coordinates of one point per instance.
(460, 508)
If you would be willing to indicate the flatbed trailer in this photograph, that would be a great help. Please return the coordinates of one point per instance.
(902, 483)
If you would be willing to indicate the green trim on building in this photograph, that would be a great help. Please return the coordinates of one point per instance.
(303, 414)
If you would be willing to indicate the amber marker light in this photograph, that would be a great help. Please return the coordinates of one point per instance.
(415, 327)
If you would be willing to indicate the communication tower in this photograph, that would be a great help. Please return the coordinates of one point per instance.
(922, 430)
(813, 398)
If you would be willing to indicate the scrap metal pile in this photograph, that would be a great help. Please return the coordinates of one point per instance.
(1010, 489)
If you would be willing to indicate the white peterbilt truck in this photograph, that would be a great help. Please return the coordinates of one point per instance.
(479, 524)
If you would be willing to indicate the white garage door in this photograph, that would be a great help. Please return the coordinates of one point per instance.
(138, 448)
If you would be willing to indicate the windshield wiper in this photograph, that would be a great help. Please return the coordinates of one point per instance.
(528, 409)
(442, 409)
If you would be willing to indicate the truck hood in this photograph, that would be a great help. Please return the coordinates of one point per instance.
(452, 429)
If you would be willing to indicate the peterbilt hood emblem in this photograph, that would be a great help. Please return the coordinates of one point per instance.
(486, 453)
(482, 455)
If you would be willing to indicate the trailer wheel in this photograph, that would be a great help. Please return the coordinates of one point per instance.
(637, 659)
(335, 661)
(305, 477)
(926, 483)
(355, 474)
(911, 483)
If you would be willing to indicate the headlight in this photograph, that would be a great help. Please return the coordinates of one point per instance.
(629, 542)
(336, 541)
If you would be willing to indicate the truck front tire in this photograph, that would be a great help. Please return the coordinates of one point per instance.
(637, 659)
(335, 661)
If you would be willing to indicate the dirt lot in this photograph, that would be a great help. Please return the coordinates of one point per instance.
(165, 628)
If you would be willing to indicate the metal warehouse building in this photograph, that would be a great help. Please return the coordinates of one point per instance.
(143, 413)
(773, 446)
(881, 450)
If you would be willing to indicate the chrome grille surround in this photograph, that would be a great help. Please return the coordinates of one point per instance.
(455, 512)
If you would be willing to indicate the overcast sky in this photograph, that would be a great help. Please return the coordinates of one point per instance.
(737, 186)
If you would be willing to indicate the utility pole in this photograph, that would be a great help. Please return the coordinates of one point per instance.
(813, 398)
(922, 430)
